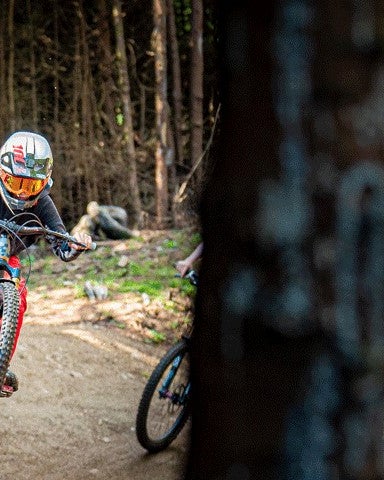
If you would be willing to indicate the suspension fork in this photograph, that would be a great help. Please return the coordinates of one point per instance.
(164, 390)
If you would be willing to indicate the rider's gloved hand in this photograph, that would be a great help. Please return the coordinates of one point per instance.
(83, 238)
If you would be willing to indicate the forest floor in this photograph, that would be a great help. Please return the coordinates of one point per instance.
(82, 365)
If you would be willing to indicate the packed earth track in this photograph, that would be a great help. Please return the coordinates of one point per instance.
(80, 381)
(74, 414)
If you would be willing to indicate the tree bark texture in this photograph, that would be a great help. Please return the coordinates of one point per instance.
(176, 84)
(287, 358)
(11, 65)
(128, 133)
(197, 68)
(33, 96)
(159, 39)
(3, 77)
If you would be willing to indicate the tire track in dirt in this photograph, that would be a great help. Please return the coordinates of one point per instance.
(73, 416)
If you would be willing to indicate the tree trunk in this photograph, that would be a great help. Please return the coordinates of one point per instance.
(176, 120)
(90, 117)
(287, 354)
(108, 95)
(107, 110)
(128, 133)
(75, 183)
(176, 84)
(85, 157)
(197, 67)
(161, 170)
(33, 96)
(11, 66)
(59, 170)
(3, 79)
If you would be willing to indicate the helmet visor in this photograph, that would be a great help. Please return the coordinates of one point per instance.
(22, 187)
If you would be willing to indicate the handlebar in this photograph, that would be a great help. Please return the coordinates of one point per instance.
(191, 275)
(10, 226)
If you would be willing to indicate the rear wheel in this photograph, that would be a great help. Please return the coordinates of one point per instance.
(9, 306)
(164, 406)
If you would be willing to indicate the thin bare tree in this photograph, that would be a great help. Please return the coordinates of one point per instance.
(176, 83)
(107, 105)
(197, 68)
(161, 150)
(11, 65)
(32, 68)
(128, 134)
(3, 79)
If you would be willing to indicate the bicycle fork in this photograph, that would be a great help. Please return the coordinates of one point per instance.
(176, 397)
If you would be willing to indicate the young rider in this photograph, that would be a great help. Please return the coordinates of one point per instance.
(25, 181)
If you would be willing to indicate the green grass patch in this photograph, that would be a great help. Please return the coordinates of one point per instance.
(170, 243)
(79, 290)
(170, 306)
(153, 288)
(150, 268)
(156, 337)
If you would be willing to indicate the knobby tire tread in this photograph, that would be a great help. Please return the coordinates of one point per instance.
(156, 445)
(9, 299)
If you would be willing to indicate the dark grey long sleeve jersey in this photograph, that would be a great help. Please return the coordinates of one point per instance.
(48, 215)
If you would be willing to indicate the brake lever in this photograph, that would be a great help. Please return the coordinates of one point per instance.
(92, 247)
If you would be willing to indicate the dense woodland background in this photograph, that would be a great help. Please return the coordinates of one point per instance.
(126, 93)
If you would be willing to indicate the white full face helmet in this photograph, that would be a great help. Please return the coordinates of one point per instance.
(25, 169)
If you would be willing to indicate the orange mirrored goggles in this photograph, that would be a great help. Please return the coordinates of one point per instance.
(23, 186)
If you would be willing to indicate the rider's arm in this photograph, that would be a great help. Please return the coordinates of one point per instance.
(48, 214)
(183, 266)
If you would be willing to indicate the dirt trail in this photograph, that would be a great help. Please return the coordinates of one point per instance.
(73, 416)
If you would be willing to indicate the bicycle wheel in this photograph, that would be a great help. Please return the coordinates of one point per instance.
(164, 406)
(9, 304)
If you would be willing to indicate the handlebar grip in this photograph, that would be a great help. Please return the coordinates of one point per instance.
(65, 247)
(191, 275)
(92, 247)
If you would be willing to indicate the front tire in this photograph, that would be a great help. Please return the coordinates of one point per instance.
(9, 304)
(163, 412)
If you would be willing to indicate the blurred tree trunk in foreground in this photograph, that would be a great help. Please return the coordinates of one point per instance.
(289, 340)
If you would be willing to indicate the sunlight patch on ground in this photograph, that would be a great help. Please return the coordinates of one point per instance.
(92, 339)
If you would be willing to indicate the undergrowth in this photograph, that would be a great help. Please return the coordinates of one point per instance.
(141, 266)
